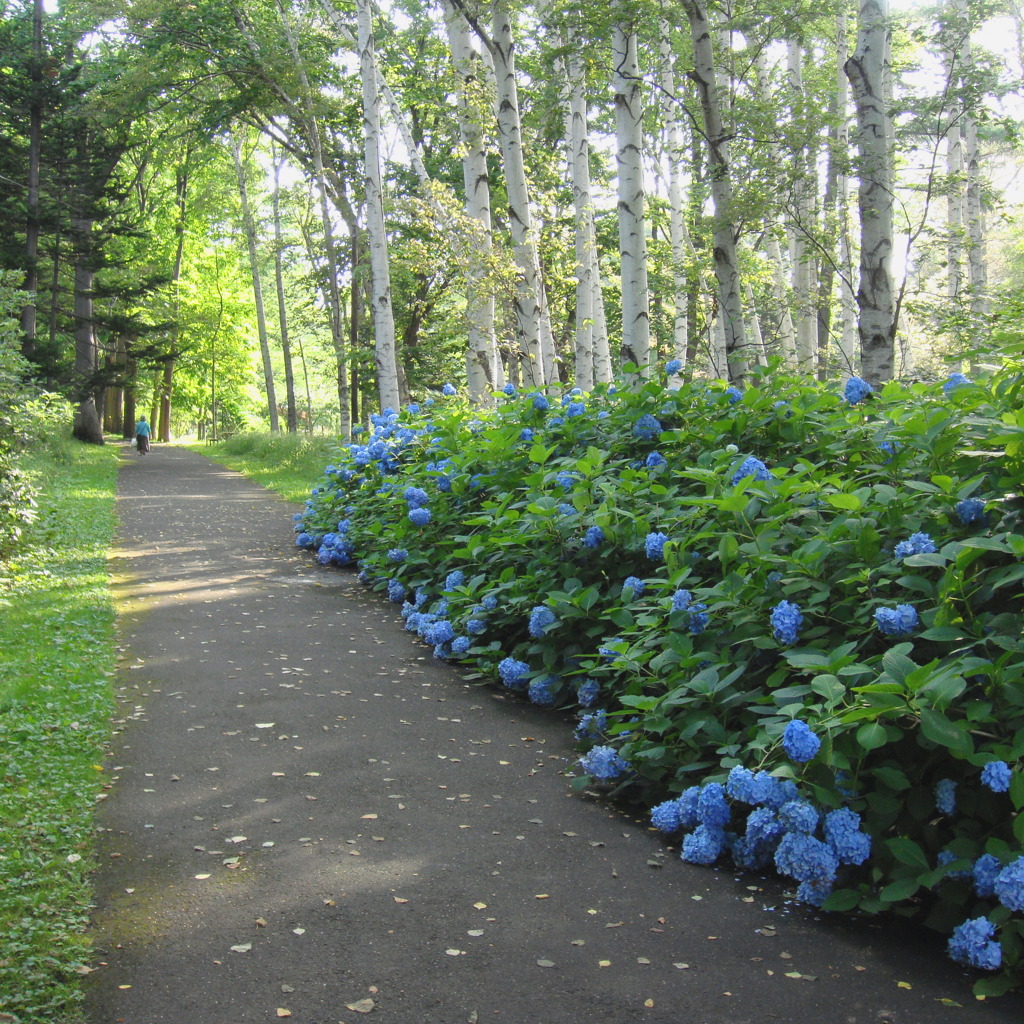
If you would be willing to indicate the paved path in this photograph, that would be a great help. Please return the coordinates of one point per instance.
(307, 812)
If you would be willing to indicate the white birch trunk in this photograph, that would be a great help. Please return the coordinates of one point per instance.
(847, 333)
(481, 352)
(604, 371)
(636, 316)
(380, 270)
(801, 226)
(677, 226)
(787, 330)
(578, 151)
(954, 40)
(876, 326)
(249, 226)
(754, 328)
(528, 302)
(730, 299)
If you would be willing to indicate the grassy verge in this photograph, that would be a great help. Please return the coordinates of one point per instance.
(56, 656)
(285, 463)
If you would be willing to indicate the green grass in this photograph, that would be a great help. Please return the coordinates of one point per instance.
(285, 463)
(56, 658)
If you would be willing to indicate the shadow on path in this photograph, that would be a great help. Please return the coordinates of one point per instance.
(308, 812)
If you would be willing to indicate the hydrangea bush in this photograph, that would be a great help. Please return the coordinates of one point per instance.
(795, 634)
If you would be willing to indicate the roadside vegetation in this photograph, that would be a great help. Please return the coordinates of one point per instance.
(56, 658)
(789, 616)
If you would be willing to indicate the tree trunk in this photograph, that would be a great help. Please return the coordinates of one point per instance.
(35, 135)
(282, 306)
(727, 274)
(87, 425)
(847, 334)
(876, 326)
(482, 365)
(380, 269)
(636, 314)
(257, 284)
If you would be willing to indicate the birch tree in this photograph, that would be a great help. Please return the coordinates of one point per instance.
(727, 273)
(876, 327)
(636, 316)
(383, 315)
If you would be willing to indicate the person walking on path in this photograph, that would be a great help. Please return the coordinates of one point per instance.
(308, 817)
(142, 436)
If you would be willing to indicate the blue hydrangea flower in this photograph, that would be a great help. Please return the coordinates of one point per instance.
(565, 480)
(973, 945)
(542, 619)
(510, 390)
(945, 797)
(899, 621)
(646, 427)
(575, 409)
(456, 578)
(1009, 885)
(396, 592)
(751, 467)
(594, 537)
(733, 394)
(655, 460)
(673, 366)
(704, 845)
(774, 792)
(799, 741)
(591, 727)
(970, 511)
(996, 775)
(654, 545)
(526, 434)
(786, 620)
(543, 691)
(540, 402)
(398, 554)
(448, 389)
(476, 626)
(955, 380)
(798, 816)
(843, 834)
(587, 693)
(806, 859)
(416, 497)
(607, 652)
(763, 827)
(986, 870)
(665, 817)
(461, 644)
(304, 540)
(681, 600)
(420, 516)
(604, 763)
(917, 544)
(948, 857)
(440, 632)
(699, 618)
(489, 603)
(632, 587)
(512, 672)
(712, 807)
(740, 785)
(857, 390)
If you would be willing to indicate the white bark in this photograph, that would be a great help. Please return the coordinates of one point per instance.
(481, 352)
(249, 226)
(380, 270)
(801, 225)
(674, 156)
(636, 316)
(847, 333)
(876, 327)
(529, 309)
(730, 299)
(578, 146)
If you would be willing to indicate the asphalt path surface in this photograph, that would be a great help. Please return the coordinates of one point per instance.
(309, 818)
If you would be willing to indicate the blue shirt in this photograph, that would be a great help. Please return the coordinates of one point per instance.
(142, 428)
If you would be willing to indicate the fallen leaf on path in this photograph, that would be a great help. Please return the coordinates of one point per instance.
(282, 1012)
(681, 967)
(261, 922)
(648, 1003)
(604, 963)
(475, 932)
(299, 931)
(903, 984)
(545, 963)
(242, 948)
(399, 899)
(480, 906)
(455, 952)
(264, 725)
(202, 877)
(542, 896)
(361, 1005)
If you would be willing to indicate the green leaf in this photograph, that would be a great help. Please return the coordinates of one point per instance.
(871, 736)
(849, 502)
(1017, 790)
(939, 729)
(901, 889)
(994, 986)
(829, 687)
(906, 851)
(841, 899)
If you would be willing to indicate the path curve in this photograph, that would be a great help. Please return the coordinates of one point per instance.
(308, 813)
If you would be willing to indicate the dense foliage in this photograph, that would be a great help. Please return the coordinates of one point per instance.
(790, 616)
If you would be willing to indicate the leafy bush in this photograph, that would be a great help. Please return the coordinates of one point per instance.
(791, 615)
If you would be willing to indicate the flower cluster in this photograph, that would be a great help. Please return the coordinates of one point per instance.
(899, 621)
(970, 511)
(594, 537)
(647, 427)
(654, 545)
(799, 741)
(751, 467)
(786, 620)
(542, 619)
(604, 763)
(857, 390)
(915, 544)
